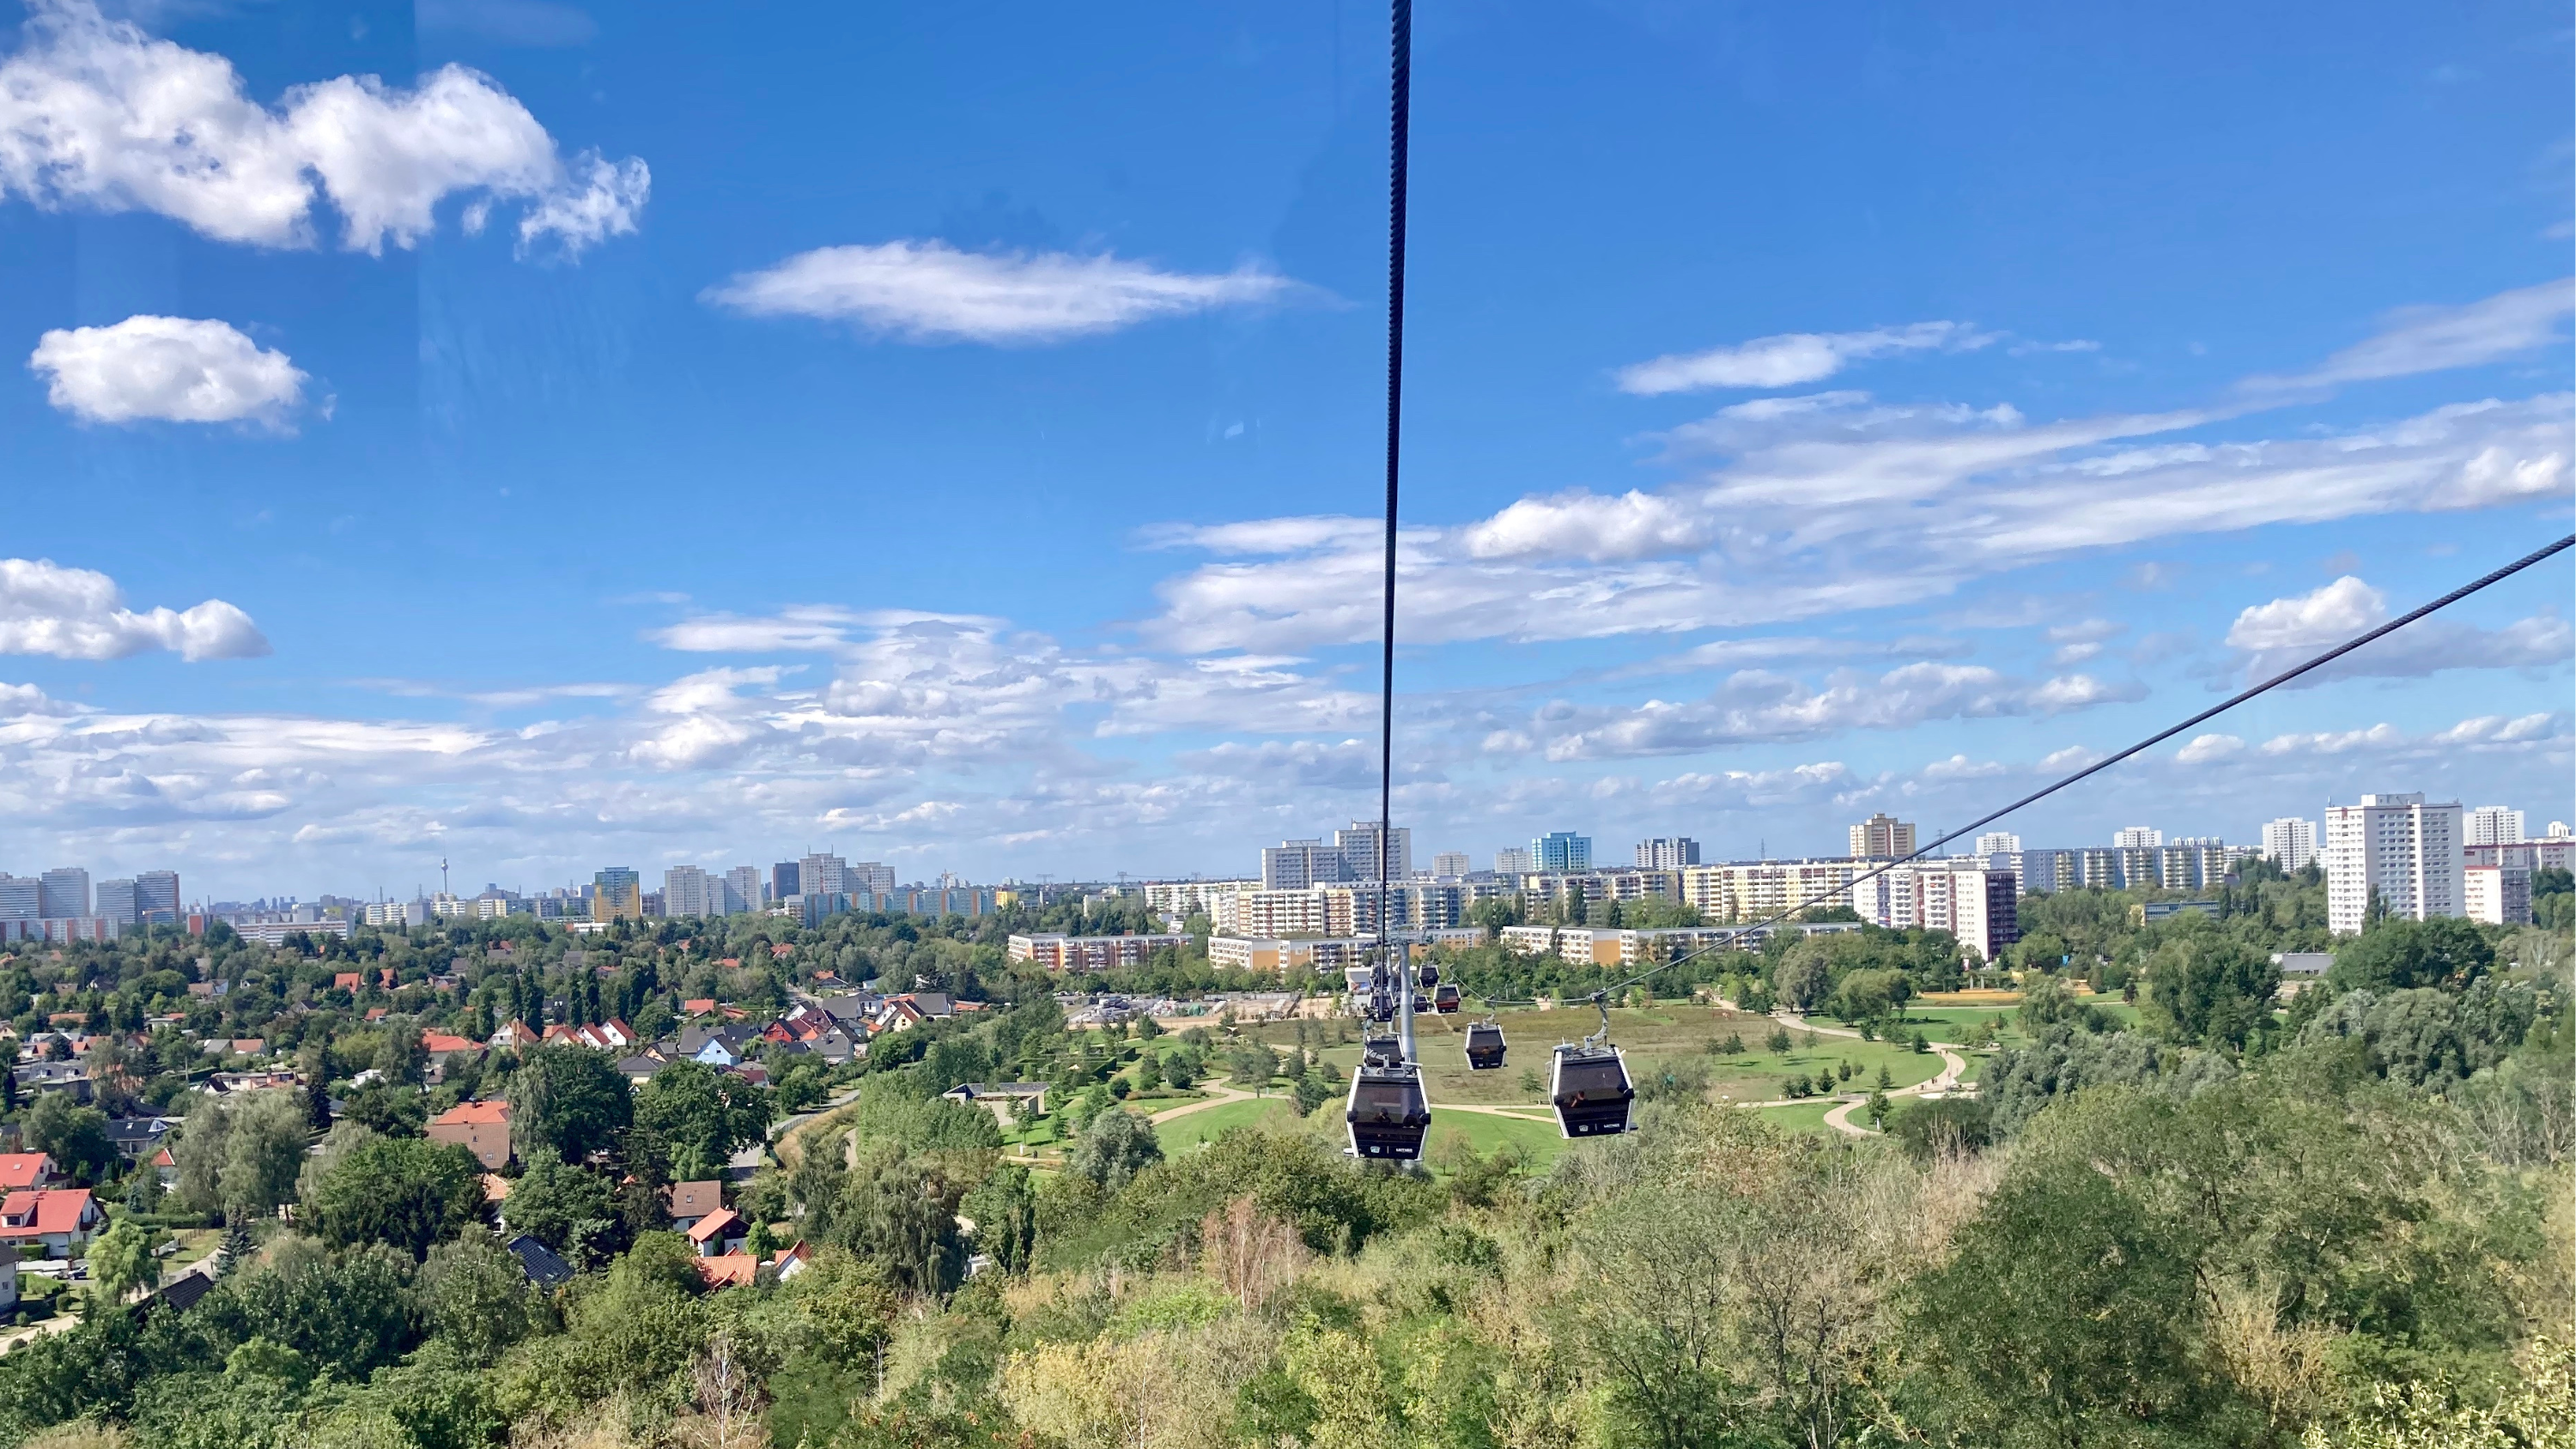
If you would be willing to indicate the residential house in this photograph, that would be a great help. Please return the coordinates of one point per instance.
(71, 1077)
(348, 981)
(611, 1035)
(722, 1047)
(727, 1270)
(135, 1138)
(641, 1068)
(691, 1202)
(440, 1046)
(56, 1220)
(166, 1168)
(482, 1128)
(719, 1232)
(539, 1262)
(515, 1035)
(20, 1170)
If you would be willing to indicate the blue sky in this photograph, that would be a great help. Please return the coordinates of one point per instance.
(546, 437)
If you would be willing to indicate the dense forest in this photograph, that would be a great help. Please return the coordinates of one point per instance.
(2216, 1216)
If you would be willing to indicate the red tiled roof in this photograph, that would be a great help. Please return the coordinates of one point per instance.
(713, 1225)
(349, 979)
(465, 1113)
(23, 1169)
(439, 1041)
(726, 1270)
(43, 1210)
(698, 1006)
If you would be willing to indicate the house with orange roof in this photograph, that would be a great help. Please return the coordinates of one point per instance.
(348, 980)
(57, 1220)
(719, 1232)
(20, 1170)
(699, 1006)
(439, 1046)
(482, 1128)
(166, 1168)
(517, 1035)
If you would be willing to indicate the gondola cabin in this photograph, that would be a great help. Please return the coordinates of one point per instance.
(1388, 1114)
(1484, 1047)
(1590, 1089)
(1444, 999)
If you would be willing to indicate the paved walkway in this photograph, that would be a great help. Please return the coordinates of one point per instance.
(1218, 1097)
(1953, 1066)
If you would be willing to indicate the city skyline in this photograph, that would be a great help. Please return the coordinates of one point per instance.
(1784, 497)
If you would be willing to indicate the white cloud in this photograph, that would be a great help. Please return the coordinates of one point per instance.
(2275, 636)
(929, 291)
(2434, 339)
(1588, 526)
(1758, 705)
(96, 114)
(1840, 508)
(1791, 359)
(168, 369)
(2328, 615)
(2205, 748)
(78, 614)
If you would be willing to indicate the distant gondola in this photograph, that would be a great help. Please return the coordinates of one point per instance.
(1484, 1047)
(1590, 1089)
(1444, 999)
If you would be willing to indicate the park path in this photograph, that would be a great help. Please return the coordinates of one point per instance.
(1222, 1095)
(1953, 1066)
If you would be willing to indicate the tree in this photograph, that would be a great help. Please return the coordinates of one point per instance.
(263, 1150)
(1117, 1146)
(73, 1135)
(900, 1208)
(569, 1209)
(1778, 1041)
(407, 1193)
(568, 1101)
(121, 1259)
(388, 1109)
(690, 1119)
(2398, 953)
(2210, 988)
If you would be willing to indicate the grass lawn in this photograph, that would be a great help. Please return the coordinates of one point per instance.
(1538, 1138)
(1804, 1117)
(1650, 1036)
(1185, 1132)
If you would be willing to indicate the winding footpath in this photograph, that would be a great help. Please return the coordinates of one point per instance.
(1953, 1066)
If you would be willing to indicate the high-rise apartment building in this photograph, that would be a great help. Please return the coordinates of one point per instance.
(1562, 851)
(22, 898)
(116, 901)
(2398, 847)
(2290, 842)
(2137, 837)
(1882, 836)
(1450, 864)
(1514, 860)
(867, 876)
(1998, 842)
(685, 892)
(822, 874)
(156, 896)
(742, 890)
(1670, 852)
(2494, 825)
(66, 892)
(1293, 865)
(1358, 845)
(619, 895)
(2499, 895)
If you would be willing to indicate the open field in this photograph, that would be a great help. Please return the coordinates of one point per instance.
(1651, 1036)
(1183, 1133)
(1802, 1116)
(1536, 1136)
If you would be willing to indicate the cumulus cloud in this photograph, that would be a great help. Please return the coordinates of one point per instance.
(70, 613)
(96, 114)
(2275, 636)
(2205, 748)
(1791, 358)
(929, 291)
(2435, 339)
(166, 369)
(1588, 526)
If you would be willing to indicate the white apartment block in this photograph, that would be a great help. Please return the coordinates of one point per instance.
(2554, 852)
(742, 890)
(2290, 842)
(1998, 842)
(22, 898)
(2406, 850)
(66, 892)
(1980, 907)
(2494, 825)
(1514, 860)
(1178, 900)
(1671, 852)
(1753, 890)
(689, 891)
(1450, 864)
(116, 901)
(2137, 836)
(2499, 895)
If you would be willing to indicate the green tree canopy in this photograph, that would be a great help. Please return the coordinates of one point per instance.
(407, 1193)
(568, 1101)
